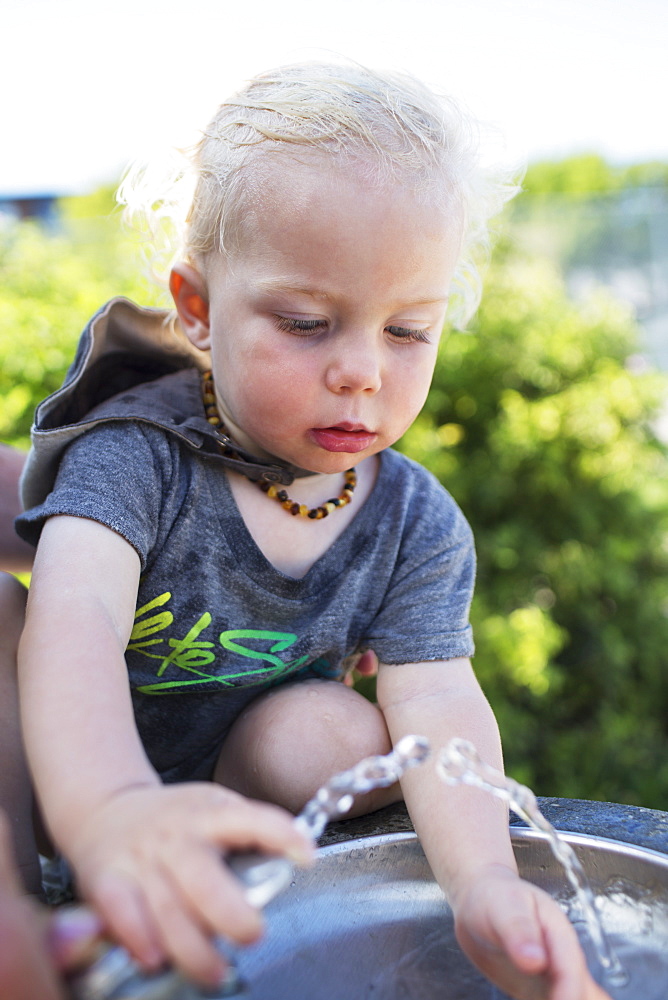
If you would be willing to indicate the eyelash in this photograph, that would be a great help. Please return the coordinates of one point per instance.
(298, 325)
(402, 333)
(411, 336)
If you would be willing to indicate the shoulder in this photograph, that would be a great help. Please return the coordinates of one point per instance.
(149, 411)
(164, 402)
(418, 499)
(113, 441)
(130, 477)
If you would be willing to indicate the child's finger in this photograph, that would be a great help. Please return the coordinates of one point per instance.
(74, 934)
(521, 936)
(121, 903)
(495, 963)
(211, 890)
(561, 961)
(567, 969)
(512, 925)
(187, 943)
(367, 665)
(245, 824)
(25, 968)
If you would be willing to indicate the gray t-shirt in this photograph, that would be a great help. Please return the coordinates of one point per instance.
(216, 623)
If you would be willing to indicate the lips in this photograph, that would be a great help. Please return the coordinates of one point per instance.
(344, 437)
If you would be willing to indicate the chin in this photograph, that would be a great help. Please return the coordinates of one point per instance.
(337, 464)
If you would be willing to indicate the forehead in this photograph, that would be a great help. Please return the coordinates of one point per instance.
(298, 178)
(311, 204)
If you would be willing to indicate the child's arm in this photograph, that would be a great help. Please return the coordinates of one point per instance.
(514, 932)
(146, 855)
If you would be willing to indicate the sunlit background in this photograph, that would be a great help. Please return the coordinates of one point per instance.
(545, 424)
(86, 86)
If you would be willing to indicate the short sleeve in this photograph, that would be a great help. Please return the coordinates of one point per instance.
(425, 610)
(116, 474)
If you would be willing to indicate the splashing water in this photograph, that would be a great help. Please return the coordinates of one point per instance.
(337, 796)
(264, 877)
(114, 975)
(459, 763)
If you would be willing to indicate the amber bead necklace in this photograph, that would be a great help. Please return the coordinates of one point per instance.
(271, 489)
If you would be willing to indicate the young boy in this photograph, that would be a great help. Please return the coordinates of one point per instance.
(189, 618)
(35, 944)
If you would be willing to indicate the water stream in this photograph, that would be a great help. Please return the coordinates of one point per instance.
(116, 976)
(336, 797)
(459, 763)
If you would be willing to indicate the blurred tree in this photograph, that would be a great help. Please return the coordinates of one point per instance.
(50, 285)
(541, 429)
(588, 174)
(602, 224)
(541, 424)
(578, 175)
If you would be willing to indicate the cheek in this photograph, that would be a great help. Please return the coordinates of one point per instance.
(279, 369)
(273, 388)
(424, 386)
(412, 387)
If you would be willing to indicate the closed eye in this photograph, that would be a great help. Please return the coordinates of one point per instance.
(289, 325)
(408, 335)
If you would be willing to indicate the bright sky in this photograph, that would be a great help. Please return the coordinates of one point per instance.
(87, 85)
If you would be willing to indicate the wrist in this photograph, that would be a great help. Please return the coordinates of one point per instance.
(67, 824)
(466, 880)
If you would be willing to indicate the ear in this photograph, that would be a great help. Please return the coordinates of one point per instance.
(192, 304)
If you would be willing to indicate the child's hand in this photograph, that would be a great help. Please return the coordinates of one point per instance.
(149, 859)
(519, 938)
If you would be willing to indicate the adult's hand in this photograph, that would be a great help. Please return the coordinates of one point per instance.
(34, 944)
(16, 556)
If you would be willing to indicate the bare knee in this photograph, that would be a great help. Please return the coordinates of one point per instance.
(292, 740)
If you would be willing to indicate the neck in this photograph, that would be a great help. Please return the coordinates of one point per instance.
(240, 437)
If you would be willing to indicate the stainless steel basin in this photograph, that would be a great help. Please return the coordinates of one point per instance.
(368, 922)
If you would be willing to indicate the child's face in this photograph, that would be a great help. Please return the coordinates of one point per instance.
(324, 325)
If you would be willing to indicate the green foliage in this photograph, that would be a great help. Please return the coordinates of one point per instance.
(579, 175)
(50, 286)
(589, 174)
(591, 218)
(98, 205)
(540, 428)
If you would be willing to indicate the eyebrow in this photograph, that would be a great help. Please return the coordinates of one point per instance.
(276, 285)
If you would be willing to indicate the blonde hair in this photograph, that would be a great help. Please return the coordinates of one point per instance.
(390, 125)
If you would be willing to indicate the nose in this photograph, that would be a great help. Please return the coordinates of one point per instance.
(354, 366)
